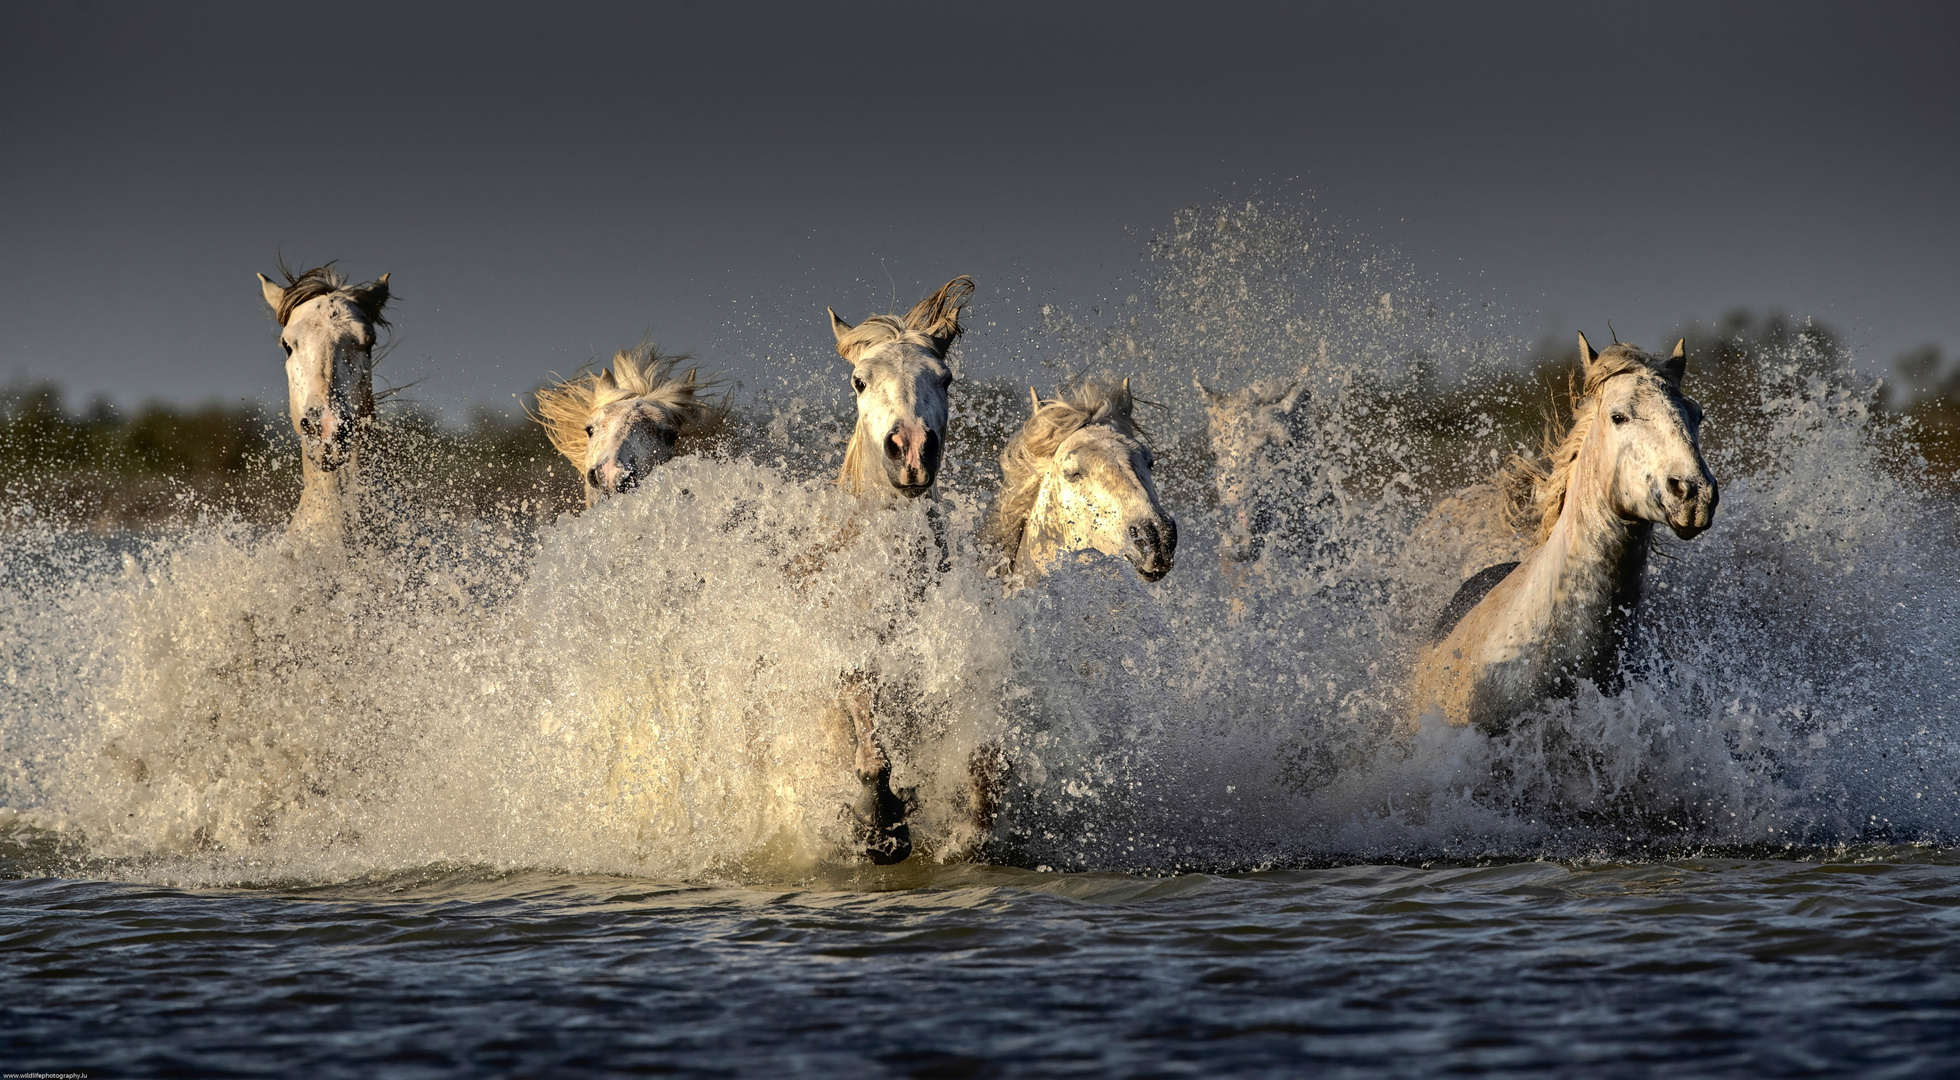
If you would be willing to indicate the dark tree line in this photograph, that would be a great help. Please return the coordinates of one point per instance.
(109, 469)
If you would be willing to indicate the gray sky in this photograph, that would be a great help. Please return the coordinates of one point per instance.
(547, 182)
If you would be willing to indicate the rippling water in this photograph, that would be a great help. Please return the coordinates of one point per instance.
(519, 801)
(1693, 967)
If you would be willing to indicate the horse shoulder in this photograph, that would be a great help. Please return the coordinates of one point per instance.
(1468, 596)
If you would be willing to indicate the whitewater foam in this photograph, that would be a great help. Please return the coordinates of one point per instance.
(643, 688)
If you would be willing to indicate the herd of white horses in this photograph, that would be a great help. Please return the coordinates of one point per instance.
(1077, 477)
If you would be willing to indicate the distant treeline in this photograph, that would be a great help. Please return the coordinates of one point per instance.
(108, 469)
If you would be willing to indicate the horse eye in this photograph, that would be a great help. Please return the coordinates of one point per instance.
(857, 384)
(288, 346)
(588, 429)
(1619, 418)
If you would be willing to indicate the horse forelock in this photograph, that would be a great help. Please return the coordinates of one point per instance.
(877, 330)
(1023, 460)
(932, 324)
(1535, 487)
(325, 280)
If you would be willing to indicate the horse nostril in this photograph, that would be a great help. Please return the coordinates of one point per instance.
(892, 449)
(1683, 490)
(592, 477)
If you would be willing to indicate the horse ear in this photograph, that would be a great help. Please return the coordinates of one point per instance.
(1211, 396)
(373, 296)
(938, 315)
(838, 328)
(1034, 399)
(1677, 364)
(1292, 397)
(1586, 353)
(274, 294)
(605, 381)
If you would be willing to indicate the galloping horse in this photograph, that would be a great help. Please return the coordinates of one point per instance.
(327, 327)
(1076, 477)
(1521, 632)
(901, 379)
(618, 425)
(1247, 430)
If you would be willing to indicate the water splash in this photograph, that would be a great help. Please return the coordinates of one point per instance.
(645, 688)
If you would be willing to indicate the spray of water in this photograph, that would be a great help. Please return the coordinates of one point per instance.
(648, 687)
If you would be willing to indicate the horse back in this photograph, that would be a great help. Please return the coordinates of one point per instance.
(1468, 596)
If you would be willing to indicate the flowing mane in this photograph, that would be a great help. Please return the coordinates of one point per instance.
(566, 407)
(933, 324)
(1533, 488)
(325, 281)
(1097, 402)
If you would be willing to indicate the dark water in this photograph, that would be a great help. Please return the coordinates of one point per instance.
(1843, 965)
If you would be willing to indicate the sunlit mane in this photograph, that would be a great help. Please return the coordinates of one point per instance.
(933, 324)
(566, 407)
(1534, 487)
(1054, 420)
(325, 281)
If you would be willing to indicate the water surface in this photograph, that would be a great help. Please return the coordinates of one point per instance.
(1746, 967)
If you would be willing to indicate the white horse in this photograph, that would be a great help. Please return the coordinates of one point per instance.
(900, 377)
(1518, 633)
(1077, 477)
(901, 380)
(328, 327)
(1247, 430)
(618, 425)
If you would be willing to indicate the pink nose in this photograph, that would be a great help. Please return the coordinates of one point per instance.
(320, 423)
(612, 475)
(907, 444)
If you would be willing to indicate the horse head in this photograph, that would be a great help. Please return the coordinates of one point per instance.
(1242, 427)
(1094, 489)
(900, 376)
(619, 425)
(1650, 437)
(628, 438)
(327, 327)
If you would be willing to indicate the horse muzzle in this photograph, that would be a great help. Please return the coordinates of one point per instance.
(613, 478)
(323, 438)
(912, 458)
(1689, 504)
(1154, 546)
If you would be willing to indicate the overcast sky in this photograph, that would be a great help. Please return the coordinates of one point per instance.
(547, 182)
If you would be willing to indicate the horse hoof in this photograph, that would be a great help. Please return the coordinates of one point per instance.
(881, 828)
(892, 848)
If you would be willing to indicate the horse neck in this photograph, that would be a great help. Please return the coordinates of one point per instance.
(327, 503)
(852, 477)
(1039, 537)
(331, 501)
(1593, 560)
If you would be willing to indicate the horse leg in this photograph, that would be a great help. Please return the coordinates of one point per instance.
(986, 771)
(879, 813)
